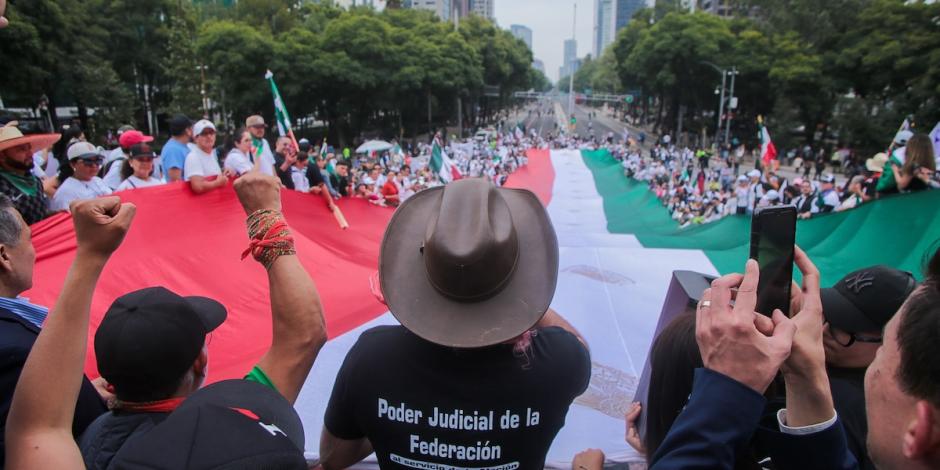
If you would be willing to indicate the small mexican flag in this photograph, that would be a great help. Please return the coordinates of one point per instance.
(442, 165)
(280, 111)
(768, 151)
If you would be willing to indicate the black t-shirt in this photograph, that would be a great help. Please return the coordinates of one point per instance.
(340, 184)
(422, 404)
(314, 175)
(284, 176)
(848, 396)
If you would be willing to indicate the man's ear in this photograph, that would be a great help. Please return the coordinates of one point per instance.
(922, 438)
(201, 363)
(6, 264)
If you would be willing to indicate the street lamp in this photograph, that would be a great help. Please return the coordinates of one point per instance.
(732, 102)
(725, 73)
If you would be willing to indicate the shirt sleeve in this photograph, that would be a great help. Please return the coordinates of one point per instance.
(192, 167)
(340, 419)
(173, 158)
(257, 375)
(803, 430)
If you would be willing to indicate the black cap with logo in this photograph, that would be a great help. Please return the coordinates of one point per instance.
(864, 300)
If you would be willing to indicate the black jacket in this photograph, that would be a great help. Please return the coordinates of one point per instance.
(17, 336)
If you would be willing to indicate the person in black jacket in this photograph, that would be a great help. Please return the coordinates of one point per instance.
(20, 320)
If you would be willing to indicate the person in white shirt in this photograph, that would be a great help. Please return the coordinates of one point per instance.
(238, 158)
(741, 192)
(86, 161)
(755, 190)
(259, 145)
(115, 166)
(298, 174)
(202, 163)
(138, 170)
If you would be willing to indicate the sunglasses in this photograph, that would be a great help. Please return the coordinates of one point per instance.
(92, 161)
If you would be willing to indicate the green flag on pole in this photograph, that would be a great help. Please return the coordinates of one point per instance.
(280, 111)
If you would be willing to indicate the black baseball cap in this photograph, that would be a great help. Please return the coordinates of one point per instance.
(233, 424)
(179, 124)
(140, 150)
(866, 299)
(150, 337)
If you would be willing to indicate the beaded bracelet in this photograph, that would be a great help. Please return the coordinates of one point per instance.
(270, 237)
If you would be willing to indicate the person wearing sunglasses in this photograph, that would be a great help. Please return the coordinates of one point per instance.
(856, 310)
(137, 171)
(85, 160)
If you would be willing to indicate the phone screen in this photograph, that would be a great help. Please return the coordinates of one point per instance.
(773, 234)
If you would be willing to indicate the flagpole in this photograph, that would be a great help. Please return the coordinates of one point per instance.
(280, 110)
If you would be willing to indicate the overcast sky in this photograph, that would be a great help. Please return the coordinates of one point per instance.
(550, 21)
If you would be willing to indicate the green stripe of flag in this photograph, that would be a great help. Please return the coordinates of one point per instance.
(896, 231)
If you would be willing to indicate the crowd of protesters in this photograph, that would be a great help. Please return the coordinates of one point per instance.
(857, 393)
(861, 389)
(699, 187)
(43, 173)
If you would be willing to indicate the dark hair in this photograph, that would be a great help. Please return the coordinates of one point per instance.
(673, 360)
(60, 149)
(918, 334)
(232, 139)
(10, 227)
(147, 392)
(179, 124)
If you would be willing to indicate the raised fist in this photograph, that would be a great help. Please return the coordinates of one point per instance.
(101, 224)
(257, 191)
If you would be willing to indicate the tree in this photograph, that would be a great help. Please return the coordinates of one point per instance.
(181, 69)
(57, 50)
(237, 56)
(893, 59)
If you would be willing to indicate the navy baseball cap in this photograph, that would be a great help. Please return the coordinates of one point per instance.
(866, 299)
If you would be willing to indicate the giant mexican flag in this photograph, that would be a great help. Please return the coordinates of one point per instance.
(619, 248)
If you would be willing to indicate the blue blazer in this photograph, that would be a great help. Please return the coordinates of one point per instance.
(17, 336)
(721, 418)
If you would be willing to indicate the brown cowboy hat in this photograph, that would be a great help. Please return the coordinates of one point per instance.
(468, 264)
(10, 137)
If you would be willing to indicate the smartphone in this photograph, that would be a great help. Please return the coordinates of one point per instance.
(773, 234)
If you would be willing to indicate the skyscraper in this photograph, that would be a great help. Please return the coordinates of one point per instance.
(721, 8)
(604, 25)
(357, 3)
(444, 9)
(571, 62)
(523, 33)
(625, 11)
(483, 8)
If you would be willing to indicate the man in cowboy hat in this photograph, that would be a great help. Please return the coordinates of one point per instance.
(481, 372)
(16, 180)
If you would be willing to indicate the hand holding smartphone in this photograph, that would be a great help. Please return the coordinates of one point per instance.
(773, 235)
